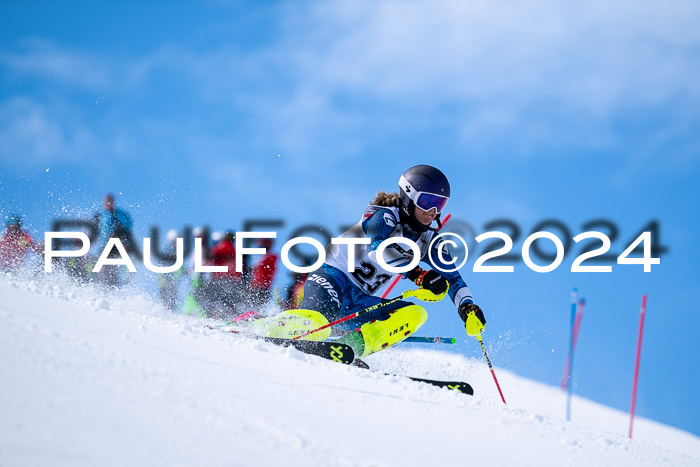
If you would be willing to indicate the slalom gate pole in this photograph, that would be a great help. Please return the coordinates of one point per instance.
(574, 339)
(474, 327)
(393, 283)
(579, 318)
(398, 277)
(577, 326)
(244, 316)
(567, 363)
(378, 306)
(574, 296)
(642, 313)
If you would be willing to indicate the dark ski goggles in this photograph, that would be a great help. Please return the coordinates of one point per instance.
(428, 201)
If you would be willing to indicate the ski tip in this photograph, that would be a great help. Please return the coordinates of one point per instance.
(464, 388)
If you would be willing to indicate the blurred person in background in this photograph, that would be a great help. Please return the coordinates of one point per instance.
(168, 282)
(196, 300)
(224, 291)
(295, 291)
(15, 244)
(262, 275)
(113, 222)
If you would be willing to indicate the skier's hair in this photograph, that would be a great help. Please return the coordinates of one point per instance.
(385, 199)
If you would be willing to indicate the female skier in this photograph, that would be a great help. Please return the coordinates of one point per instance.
(335, 292)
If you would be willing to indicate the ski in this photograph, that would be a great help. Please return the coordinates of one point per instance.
(330, 350)
(335, 351)
(342, 353)
(459, 386)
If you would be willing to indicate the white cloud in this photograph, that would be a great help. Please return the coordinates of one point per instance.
(41, 57)
(335, 76)
(589, 53)
(520, 71)
(31, 135)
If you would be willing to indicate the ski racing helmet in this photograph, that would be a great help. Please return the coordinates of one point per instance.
(172, 236)
(424, 186)
(14, 220)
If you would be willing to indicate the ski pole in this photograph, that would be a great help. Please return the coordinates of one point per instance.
(398, 277)
(636, 363)
(421, 294)
(474, 328)
(431, 340)
(428, 340)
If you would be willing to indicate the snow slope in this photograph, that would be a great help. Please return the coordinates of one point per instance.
(91, 379)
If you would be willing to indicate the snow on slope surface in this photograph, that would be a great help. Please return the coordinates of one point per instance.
(109, 380)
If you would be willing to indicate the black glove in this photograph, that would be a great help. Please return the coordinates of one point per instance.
(465, 308)
(430, 280)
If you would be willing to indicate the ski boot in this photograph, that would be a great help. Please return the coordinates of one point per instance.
(378, 335)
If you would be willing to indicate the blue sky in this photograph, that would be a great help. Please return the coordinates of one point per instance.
(226, 111)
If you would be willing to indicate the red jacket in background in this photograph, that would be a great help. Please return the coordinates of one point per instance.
(224, 254)
(13, 249)
(264, 272)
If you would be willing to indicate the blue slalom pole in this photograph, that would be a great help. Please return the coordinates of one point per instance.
(574, 296)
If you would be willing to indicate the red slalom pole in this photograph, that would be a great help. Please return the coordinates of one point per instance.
(393, 283)
(398, 277)
(574, 340)
(407, 293)
(636, 364)
(574, 295)
(579, 317)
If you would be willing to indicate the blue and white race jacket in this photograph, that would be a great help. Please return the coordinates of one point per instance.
(379, 223)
